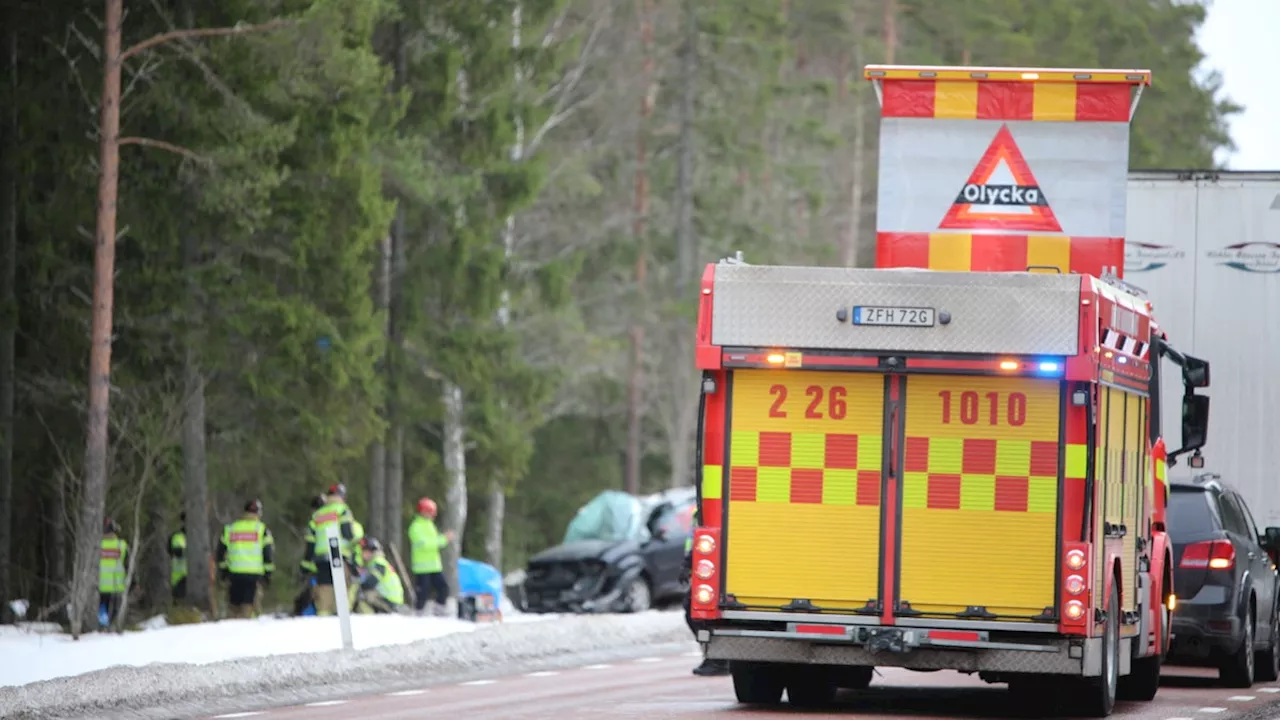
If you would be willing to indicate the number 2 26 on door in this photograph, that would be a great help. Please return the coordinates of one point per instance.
(818, 402)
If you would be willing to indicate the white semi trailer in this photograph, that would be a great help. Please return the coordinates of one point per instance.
(1206, 248)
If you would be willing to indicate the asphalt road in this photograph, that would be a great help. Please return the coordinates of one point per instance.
(662, 687)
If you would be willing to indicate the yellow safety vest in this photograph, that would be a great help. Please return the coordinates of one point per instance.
(178, 565)
(245, 540)
(389, 585)
(111, 568)
(425, 543)
(333, 513)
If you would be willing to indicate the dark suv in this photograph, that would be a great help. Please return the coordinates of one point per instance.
(1226, 584)
(621, 553)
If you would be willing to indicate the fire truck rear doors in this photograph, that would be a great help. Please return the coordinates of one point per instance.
(928, 494)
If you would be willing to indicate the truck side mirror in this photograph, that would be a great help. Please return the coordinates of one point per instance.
(1195, 372)
(1195, 422)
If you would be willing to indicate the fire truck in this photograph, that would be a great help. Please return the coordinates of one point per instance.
(953, 460)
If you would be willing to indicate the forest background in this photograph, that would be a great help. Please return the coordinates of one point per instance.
(444, 248)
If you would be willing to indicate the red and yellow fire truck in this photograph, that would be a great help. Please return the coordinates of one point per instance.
(953, 460)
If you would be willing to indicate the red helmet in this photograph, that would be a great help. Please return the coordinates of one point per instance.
(338, 489)
(427, 506)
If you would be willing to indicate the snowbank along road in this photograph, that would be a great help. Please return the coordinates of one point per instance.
(662, 687)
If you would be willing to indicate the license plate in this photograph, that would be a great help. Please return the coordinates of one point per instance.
(889, 315)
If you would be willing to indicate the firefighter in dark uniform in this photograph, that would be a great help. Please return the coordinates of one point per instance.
(708, 667)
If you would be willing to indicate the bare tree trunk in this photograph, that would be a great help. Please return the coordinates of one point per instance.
(851, 249)
(59, 518)
(497, 502)
(635, 399)
(493, 528)
(394, 512)
(455, 469)
(890, 30)
(195, 486)
(155, 572)
(684, 399)
(135, 549)
(378, 451)
(8, 308)
(89, 531)
(195, 483)
(377, 488)
(686, 243)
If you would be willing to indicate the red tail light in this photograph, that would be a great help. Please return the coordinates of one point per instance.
(1211, 554)
(1074, 584)
(704, 587)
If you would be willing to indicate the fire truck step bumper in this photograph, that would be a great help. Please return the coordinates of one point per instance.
(891, 647)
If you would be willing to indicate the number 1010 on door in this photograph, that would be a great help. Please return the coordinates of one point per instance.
(993, 407)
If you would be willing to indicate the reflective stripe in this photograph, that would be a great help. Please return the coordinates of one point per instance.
(1077, 465)
(245, 539)
(111, 569)
(712, 482)
(331, 514)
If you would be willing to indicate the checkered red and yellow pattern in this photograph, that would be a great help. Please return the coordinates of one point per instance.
(1049, 97)
(803, 509)
(980, 494)
(969, 252)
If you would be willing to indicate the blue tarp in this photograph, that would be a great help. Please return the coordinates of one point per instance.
(476, 578)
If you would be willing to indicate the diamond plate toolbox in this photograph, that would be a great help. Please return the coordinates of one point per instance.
(990, 312)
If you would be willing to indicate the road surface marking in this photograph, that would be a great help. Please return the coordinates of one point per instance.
(251, 713)
(1179, 719)
(1242, 698)
(326, 703)
(649, 660)
(479, 682)
(597, 667)
(543, 673)
(1212, 709)
(406, 693)
(1269, 690)
(693, 654)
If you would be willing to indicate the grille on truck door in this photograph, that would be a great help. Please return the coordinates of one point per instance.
(803, 510)
(980, 495)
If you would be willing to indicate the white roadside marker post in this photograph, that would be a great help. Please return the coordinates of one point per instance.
(339, 585)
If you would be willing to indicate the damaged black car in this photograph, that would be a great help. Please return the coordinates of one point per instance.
(621, 553)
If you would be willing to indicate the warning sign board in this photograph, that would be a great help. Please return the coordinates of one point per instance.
(1001, 194)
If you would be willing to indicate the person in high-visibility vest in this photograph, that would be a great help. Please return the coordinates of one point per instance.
(112, 572)
(357, 560)
(380, 589)
(425, 543)
(334, 512)
(246, 559)
(708, 667)
(178, 560)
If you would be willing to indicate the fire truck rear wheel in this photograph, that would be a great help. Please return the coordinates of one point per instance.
(1099, 696)
(812, 687)
(758, 683)
(856, 678)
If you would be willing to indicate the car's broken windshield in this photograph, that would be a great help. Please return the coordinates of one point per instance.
(610, 516)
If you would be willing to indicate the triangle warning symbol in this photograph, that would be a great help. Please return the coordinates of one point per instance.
(1001, 194)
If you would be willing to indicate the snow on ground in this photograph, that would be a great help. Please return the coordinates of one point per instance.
(32, 652)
